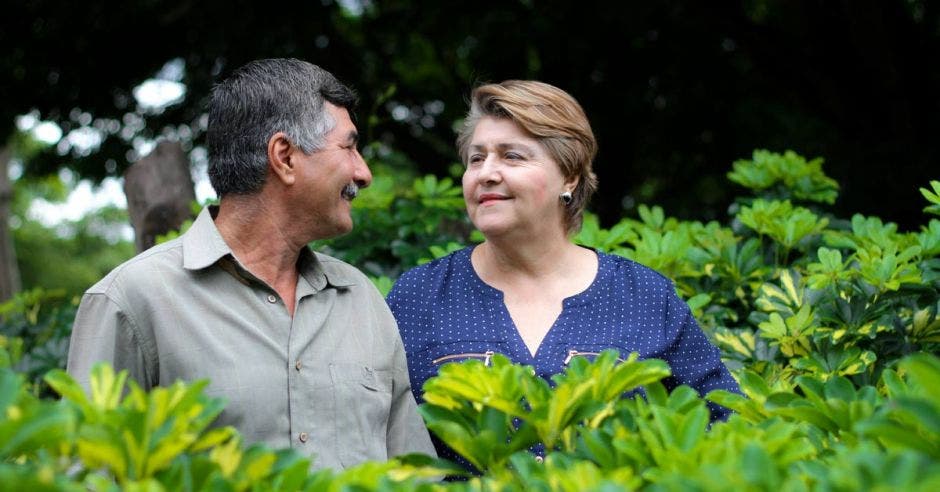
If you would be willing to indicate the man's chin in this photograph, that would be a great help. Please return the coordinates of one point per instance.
(344, 228)
(336, 229)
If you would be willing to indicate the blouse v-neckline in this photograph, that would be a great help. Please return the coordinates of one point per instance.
(518, 346)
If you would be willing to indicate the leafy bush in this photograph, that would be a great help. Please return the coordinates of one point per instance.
(786, 291)
(120, 438)
(39, 322)
(819, 434)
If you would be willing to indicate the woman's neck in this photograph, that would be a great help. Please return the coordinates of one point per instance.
(506, 262)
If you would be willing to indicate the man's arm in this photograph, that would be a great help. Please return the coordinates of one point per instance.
(104, 332)
(406, 430)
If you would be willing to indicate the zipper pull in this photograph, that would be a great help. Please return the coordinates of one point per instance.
(486, 357)
(571, 353)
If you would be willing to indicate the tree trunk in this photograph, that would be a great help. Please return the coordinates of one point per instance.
(159, 190)
(9, 271)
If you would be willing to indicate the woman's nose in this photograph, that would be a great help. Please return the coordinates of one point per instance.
(489, 170)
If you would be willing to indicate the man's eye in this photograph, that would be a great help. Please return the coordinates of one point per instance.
(513, 156)
(475, 158)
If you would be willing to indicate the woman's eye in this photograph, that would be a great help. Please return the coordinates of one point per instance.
(475, 159)
(513, 156)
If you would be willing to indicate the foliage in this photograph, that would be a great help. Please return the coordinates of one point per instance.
(120, 438)
(786, 291)
(94, 243)
(83, 251)
(933, 197)
(487, 414)
(785, 176)
(818, 434)
(41, 321)
(821, 434)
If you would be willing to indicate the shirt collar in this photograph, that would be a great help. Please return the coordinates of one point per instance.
(204, 246)
(202, 243)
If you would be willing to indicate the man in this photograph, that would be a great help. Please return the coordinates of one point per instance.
(301, 345)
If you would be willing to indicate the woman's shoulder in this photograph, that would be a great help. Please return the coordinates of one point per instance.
(624, 269)
(435, 272)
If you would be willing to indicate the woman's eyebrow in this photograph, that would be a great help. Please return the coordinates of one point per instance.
(502, 146)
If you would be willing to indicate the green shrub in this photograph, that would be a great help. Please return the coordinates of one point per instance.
(40, 322)
(787, 291)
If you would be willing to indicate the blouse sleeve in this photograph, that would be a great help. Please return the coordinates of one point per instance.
(694, 360)
(411, 316)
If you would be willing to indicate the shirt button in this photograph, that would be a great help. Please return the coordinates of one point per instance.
(539, 459)
(298, 365)
(272, 298)
(302, 437)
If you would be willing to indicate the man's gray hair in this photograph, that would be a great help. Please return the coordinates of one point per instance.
(258, 100)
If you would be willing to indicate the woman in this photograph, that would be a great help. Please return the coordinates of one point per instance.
(527, 291)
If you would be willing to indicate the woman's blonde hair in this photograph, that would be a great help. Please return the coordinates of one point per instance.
(554, 119)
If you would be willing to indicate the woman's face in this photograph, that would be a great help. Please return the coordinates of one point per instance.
(511, 183)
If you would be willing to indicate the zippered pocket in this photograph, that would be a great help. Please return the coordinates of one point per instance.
(575, 353)
(484, 356)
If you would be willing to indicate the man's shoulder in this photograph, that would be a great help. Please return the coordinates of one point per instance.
(162, 259)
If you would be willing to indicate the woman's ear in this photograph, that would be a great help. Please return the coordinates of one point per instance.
(280, 155)
(571, 183)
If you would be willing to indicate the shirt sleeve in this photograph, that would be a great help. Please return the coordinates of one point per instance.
(406, 430)
(694, 360)
(104, 332)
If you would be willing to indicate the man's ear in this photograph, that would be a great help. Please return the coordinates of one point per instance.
(280, 155)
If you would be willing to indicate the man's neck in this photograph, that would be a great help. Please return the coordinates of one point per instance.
(263, 241)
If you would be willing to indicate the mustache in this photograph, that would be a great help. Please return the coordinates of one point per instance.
(350, 191)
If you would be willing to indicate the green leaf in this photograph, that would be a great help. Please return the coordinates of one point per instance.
(933, 197)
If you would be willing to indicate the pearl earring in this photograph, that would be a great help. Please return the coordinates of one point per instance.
(566, 197)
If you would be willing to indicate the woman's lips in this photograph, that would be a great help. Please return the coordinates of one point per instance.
(491, 198)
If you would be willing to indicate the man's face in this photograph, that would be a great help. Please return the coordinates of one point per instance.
(326, 176)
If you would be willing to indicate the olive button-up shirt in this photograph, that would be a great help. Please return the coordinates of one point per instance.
(331, 381)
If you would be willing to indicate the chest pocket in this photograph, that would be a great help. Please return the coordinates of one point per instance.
(588, 353)
(426, 363)
(362, 400)
(564, 352)
(486, 357)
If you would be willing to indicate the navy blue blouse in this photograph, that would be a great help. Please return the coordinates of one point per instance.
(445, 313)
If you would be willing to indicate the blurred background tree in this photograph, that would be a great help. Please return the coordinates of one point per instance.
(676, 90)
